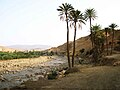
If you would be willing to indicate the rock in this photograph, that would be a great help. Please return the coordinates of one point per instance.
(116, 64)
(22, 86)
(2, 78)
(61, 74)
(28, 76)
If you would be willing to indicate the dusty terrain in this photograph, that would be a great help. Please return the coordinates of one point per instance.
(88, 77)
(15, 72)
(20, 64)
(101, 77)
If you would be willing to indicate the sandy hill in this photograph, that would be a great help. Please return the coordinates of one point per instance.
(82, 43)
(6, 49)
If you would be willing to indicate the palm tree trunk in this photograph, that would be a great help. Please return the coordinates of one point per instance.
(68, 55)
(74, 46)
(112, 44)
(91, 33)
(106, 42)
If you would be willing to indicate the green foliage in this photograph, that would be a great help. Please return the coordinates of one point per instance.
(18, 55)
(53, 74)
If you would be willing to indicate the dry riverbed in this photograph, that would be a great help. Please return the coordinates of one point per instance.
(15, 72)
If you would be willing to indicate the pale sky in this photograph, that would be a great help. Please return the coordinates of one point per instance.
(37, 22)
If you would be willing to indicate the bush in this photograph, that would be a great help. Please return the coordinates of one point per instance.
(52, 75)
(82, 50)
(6, 57)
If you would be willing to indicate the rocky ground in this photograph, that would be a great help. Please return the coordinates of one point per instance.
(15, 72)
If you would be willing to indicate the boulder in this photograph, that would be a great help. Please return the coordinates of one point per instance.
(2, 79)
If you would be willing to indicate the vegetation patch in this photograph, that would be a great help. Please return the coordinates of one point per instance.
(52, 75)
(27, 54)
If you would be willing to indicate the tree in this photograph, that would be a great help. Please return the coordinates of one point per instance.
(112, 27)
(76, 17)
(65, 10)
(90, 14)
(98, 40)
(106, 35)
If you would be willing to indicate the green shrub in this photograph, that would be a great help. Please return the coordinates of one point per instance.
(52, 75)
(6, 57)
(18, 55)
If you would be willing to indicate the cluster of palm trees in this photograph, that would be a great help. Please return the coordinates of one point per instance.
(77, 18)
(99, 40)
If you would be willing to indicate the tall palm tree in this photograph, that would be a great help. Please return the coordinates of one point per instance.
(98, 42)
(113, 26)
(90, 14)
(95, 30)
(76, 18)
(106, 34)
(65, 10)
(98, 37)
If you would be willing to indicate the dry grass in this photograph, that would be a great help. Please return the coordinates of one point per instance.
(104, 77)
(88, 78)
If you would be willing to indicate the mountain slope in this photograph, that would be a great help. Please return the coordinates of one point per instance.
(83, 43)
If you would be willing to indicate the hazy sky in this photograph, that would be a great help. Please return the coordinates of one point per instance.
(37, 21)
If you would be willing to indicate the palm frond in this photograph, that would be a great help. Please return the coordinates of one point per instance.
(64, 10)
(113, 26)
(90, 13)
(77, 17)
(62, 18)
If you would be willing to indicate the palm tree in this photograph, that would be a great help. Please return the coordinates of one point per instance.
(98, 37)
(76, 18)
(95, 30)
(106, 34)
(90, 14)
(99, 40)
(112, 26)
(96, 40)
(65, 10)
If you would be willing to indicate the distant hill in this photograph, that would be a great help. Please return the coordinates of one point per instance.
(6, 49)
(81, 43)
(30, 47)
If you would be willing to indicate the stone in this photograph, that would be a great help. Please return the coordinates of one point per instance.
(2, 78)
(116, 64)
